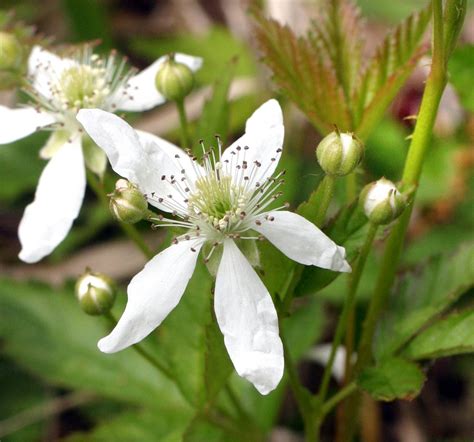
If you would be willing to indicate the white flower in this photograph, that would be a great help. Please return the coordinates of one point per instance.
(217, 202)
(60, 87)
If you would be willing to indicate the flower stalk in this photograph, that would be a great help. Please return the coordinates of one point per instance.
(434, 88)
(183, 120)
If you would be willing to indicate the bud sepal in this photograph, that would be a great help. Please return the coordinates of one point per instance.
(95, 292)
(127, 203)
(339, 153)
(174, 80)
(382, 202)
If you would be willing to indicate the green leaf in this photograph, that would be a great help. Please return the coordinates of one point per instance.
(304, 327)
(45, 331)
(214, 46)
(296, 63)
(394, 378)
(192, 343)
(21, 166)
(450, 336)
(338, 34)
(345, 230)
(166, 426)
(95, 15)
(388, 69)
(20, 392)
(214, 119)
(461, 73)
(422, 294)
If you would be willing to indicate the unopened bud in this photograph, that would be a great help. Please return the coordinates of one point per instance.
(11, 52)
(174, 80)
(339, 154)
(382, 201)
(95, 292)
(127, 203)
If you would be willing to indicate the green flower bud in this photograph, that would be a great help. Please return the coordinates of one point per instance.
(11, 52)
(382, 201)
(174, 80)
(339, 154)
(127, 203)
(95, 292)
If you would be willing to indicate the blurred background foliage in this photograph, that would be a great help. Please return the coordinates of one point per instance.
(54, 382)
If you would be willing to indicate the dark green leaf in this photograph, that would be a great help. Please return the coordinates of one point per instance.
(192, 343)
(166, 426)
(45, 332)
(94, 14)
(394, 378)
(21, 166)
(344, 230)
(450, 336)
(421, 295)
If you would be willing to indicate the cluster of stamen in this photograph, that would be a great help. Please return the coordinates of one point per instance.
(89, 82)
(225, 201)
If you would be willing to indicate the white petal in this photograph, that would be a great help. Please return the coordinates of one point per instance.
(19, 123)
(44, 67)
(152, 294)
(140, 93)
(178, 157)
(263, 136)
(248, 321)
(58, 199)
(142, 163)
(302, 241)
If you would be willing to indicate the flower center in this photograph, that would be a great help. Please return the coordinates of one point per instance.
(218, 201)
(83, 86)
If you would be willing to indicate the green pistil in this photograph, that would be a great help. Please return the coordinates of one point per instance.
(82, 86)
(217, 200)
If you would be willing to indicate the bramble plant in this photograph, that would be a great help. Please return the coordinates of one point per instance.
(231, 299)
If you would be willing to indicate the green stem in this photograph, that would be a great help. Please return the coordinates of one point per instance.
(434, 88)
(325, 193)
(413, 166)
(185, 138)
(342, 394)
(351, 186)
(128, 229)
(349, 306)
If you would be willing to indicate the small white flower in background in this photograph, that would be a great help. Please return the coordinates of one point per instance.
(222, 200)
(59, 88)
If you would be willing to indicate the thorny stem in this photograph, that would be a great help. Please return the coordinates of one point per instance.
(435, 85)
(348, 308)
(128, 229)
(184, 133)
